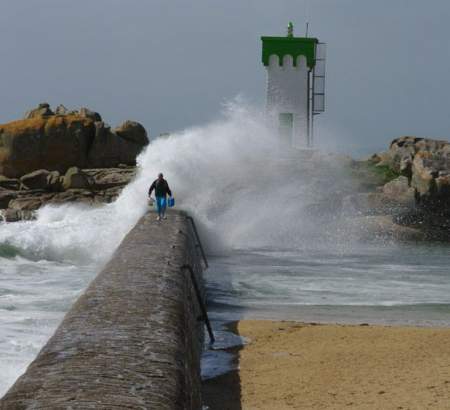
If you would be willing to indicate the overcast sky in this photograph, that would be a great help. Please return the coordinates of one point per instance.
(172, 63)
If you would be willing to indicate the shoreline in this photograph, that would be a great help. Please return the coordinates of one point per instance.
(296, 365)
(428, 315)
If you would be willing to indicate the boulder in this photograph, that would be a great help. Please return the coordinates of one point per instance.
(423, 176)
(55, 181)
(31, 203)
(104, 151)
(57, 142)
(9, 183)
(132, 131)
(6, 197)
(426, 164)
(75, 179)
(42, 180)
(132, 139)
(36, 179)
(105, 178)
(53, 143)
(403, 150)
(42, 110)
(90, 186)
(431, 179)
(9, 215)
(87, 113)
(401, 154)
(108, 195)
(121, 146)
(399, 191)
(61, 110)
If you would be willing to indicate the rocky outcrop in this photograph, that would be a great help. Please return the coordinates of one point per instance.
(61, 140)
(120, 146)
(398, 190)
(20, 199)
(9, 183)
(36, 180)
(75, 179)
(6, 197)
(42, 110)
(132, 131)
(415, 203)
(94, 116)
(431, 177)
(426, 164)
(52, 143)
(64, 156)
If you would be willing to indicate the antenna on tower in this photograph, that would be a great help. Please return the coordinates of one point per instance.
(307, 26)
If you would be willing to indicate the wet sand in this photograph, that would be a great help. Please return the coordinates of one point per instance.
(289, 365)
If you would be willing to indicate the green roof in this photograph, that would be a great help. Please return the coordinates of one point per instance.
(293, 46)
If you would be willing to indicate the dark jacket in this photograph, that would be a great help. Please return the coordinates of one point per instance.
(161, 188)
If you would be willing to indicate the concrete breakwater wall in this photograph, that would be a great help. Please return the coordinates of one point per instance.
(133, 339)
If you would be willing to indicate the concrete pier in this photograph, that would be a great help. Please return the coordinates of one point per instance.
(133, 339)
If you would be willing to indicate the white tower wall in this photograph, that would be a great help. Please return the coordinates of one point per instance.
(287, 93)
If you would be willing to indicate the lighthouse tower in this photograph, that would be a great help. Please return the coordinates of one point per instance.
(295, 85)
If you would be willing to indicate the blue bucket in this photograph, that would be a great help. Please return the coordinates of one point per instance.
(171, 202)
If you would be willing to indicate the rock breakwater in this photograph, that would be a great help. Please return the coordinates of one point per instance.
(414, 200)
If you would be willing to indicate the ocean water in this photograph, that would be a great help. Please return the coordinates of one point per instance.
(277, 250)
(44, 266)
(375, 283)
(34, 295)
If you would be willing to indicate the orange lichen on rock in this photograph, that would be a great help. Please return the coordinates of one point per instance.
(68, 120)
(56, 142)
(50, 142)
(39, 124)
(28, 126)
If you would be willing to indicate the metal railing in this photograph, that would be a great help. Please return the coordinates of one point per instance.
(204, 316)
(199, 243)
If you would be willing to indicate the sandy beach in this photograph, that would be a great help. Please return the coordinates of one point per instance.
(289, 365)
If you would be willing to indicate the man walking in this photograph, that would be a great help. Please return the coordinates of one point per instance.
(162, 189)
